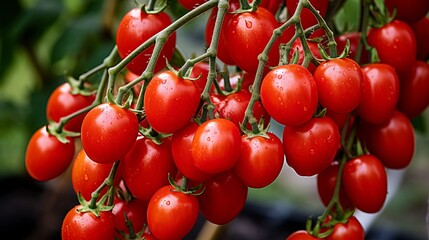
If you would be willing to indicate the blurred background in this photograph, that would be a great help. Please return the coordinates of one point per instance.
(42, 40)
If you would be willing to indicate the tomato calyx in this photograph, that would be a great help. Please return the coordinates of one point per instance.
(327, 57)
(56, 129)
(153, 135)
(258, 128)
(183, 186)
(93, 206)
(380, 14)
(152, 7)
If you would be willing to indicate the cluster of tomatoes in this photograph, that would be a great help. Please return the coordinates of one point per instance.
(148, 167)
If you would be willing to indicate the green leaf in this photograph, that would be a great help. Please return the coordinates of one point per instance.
(347, 18)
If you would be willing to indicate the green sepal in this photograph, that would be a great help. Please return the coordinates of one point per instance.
(153, 135)
(78, 87)
(99, 206)
(55, 129)
(194, 191)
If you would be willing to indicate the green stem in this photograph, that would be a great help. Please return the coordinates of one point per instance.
(322, 23)
(108, 182)
(159, 39)
(150, 5)
(244, 4)
(363, 31)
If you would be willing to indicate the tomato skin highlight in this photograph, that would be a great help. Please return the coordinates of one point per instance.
(77, 225)
(339, 83)
(134, 29)
(171, 214)
(365, 181)
(260, 161)
(170, 102)
(289, 94)
(215, 144)
(46, 158)
(311, 147)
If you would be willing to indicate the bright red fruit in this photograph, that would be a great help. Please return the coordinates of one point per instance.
(339, 83)
(395, 44)
(108, 132)
(85, 225)
(215, 144)
(171, 214)
(135, 28)
(380, 93)
(261, 160)
(365, 181)
(63, 102)
(392, 142)
(146, 167)
(289, 94)
(351, 230)
(311, 147)
(46, 157)
(170, 102)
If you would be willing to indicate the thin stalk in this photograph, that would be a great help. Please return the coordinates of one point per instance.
(108, 182)
(159, 39)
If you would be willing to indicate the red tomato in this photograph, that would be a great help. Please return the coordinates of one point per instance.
(171, 214)
(215, 144)
(135, 28)
(413, 96)
(108, 132)
(354, 39)
(146, 167)
(380, 93)
(46, 158)
(421, 32)
(85, 225)
(307, 18)
(365, 181)
(326, 181)
(233, 108)
(261, 160)
(339, 83)
(223, 198)
(62, 103)
(351, 230)
(392, 142)
(135, 211)
(301, 235)
(181, 148)
(311, 147)
(289, 94)
(395, 44)
(408, 11)
(88, 175)
(247, 34)
(170, 102)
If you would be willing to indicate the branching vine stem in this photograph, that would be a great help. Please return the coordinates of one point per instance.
(159, 39)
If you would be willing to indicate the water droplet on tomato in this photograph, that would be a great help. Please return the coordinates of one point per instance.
(248, 24)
